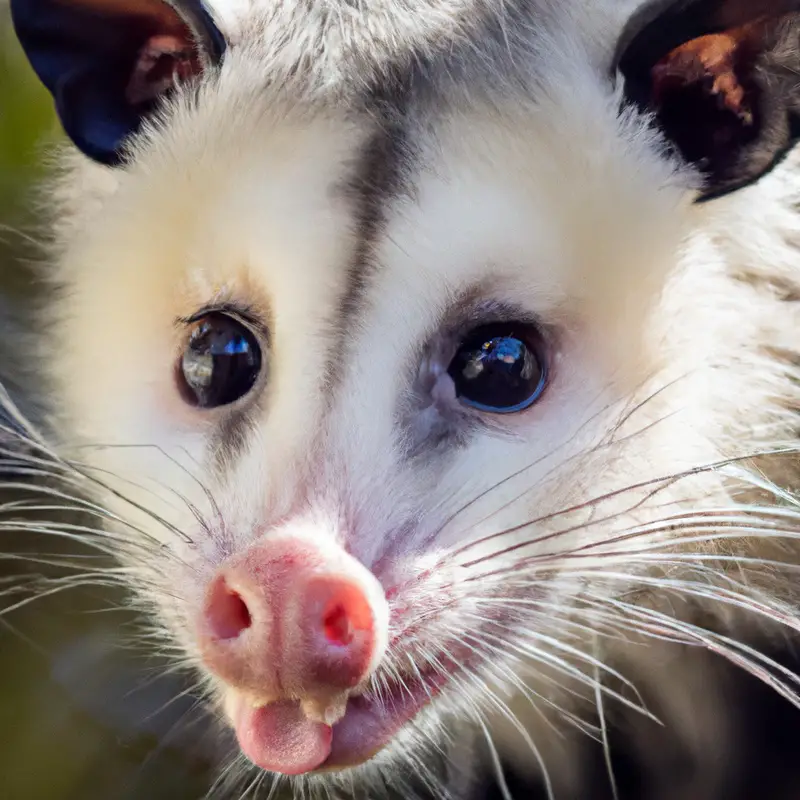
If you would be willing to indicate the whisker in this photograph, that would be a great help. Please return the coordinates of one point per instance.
(527, 650)
(656, 485)
(628, 413)
(192, 476)
(722, 645)
(601, 714)
(530, 695)
(679, 534)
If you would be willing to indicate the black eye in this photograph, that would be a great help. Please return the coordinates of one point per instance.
(499, 368)
(221, 362)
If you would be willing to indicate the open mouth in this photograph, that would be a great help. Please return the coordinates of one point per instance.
(279, 737)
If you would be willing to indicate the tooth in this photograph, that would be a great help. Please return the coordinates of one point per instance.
(327, 710)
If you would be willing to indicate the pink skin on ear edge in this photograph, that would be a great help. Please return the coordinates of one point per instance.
(163, 61)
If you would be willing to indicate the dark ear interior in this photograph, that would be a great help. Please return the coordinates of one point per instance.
(108, 62)
(723, 79)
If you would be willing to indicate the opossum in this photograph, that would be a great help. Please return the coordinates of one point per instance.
(434, 366)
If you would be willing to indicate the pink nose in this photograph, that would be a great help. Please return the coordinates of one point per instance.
(283, 621)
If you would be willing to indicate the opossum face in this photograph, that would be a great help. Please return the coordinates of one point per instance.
(387, 383)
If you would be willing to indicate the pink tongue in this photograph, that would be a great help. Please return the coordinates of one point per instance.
(279, 738)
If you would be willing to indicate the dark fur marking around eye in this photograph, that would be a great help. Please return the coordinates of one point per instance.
(230, 440)
(432, 424)
(242, 312)
(230, 436)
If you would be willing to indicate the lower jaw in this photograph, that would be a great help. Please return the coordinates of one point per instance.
(295, 746)
(369, 726)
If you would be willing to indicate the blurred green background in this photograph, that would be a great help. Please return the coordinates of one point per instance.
(79, 710)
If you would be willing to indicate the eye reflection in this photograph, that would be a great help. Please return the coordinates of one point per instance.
(221, 362)
(498, 368)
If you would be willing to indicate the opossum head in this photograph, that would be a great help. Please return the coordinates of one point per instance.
(407, 357)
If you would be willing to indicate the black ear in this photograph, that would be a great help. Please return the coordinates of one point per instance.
(108, 62)
(723, 78)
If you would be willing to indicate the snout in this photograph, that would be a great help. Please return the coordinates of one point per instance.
(290, 629)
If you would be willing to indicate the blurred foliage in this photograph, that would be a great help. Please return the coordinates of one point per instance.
(26, 116)
(27, 123)
(81, 717)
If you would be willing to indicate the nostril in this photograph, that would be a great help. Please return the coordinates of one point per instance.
(338, 626)
(226, 611)
(346, 613)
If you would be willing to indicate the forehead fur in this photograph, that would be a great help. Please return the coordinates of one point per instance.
(248, 195)
(355, 222)
(263, 188)
(287, 56)
(338, 43)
